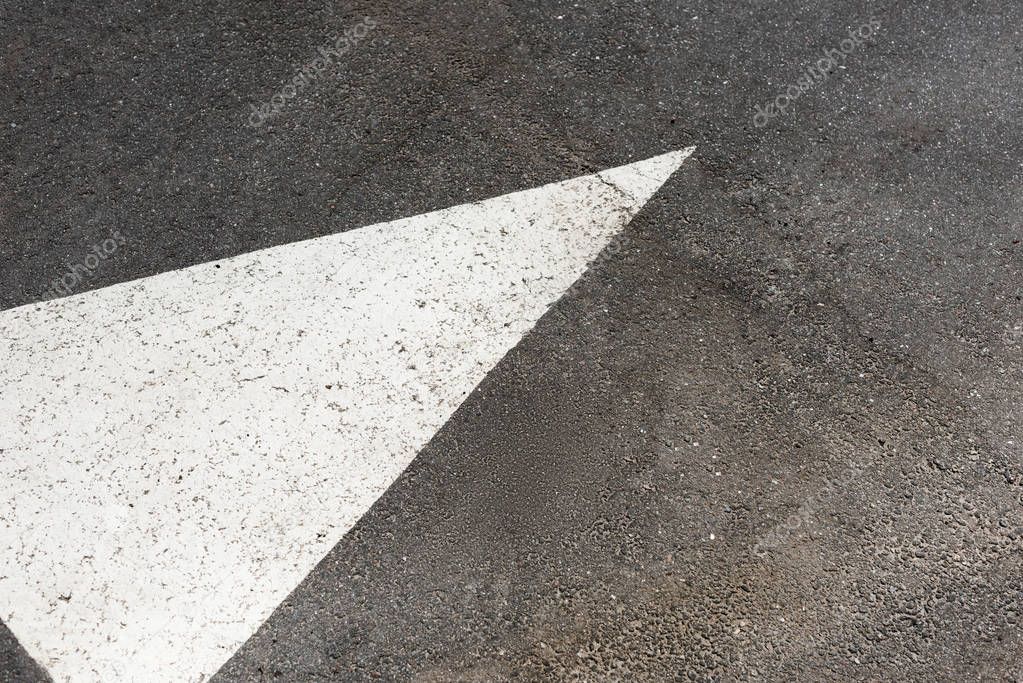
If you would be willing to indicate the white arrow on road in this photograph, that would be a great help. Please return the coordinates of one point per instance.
(178, 452)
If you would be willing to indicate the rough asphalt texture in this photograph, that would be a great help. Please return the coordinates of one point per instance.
(655, 484)
(15, 665)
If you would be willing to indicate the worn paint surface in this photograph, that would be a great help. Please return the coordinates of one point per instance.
(187, 446)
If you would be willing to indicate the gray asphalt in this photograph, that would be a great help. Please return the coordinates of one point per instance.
(773, 437)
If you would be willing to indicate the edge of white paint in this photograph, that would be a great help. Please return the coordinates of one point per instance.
(190, 444)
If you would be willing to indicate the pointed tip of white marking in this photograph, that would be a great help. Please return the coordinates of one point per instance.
(179, 582)
(641, 179)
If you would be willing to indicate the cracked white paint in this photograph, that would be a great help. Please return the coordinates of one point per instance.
(179, 451)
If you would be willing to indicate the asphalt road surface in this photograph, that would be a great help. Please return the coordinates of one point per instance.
(770, 434)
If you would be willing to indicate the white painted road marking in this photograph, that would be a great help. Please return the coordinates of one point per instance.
(178, 452)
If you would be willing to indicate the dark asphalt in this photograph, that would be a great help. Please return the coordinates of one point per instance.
(15, 665)
(655, 484)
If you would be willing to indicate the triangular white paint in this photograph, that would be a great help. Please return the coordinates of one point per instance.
(179, 451)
